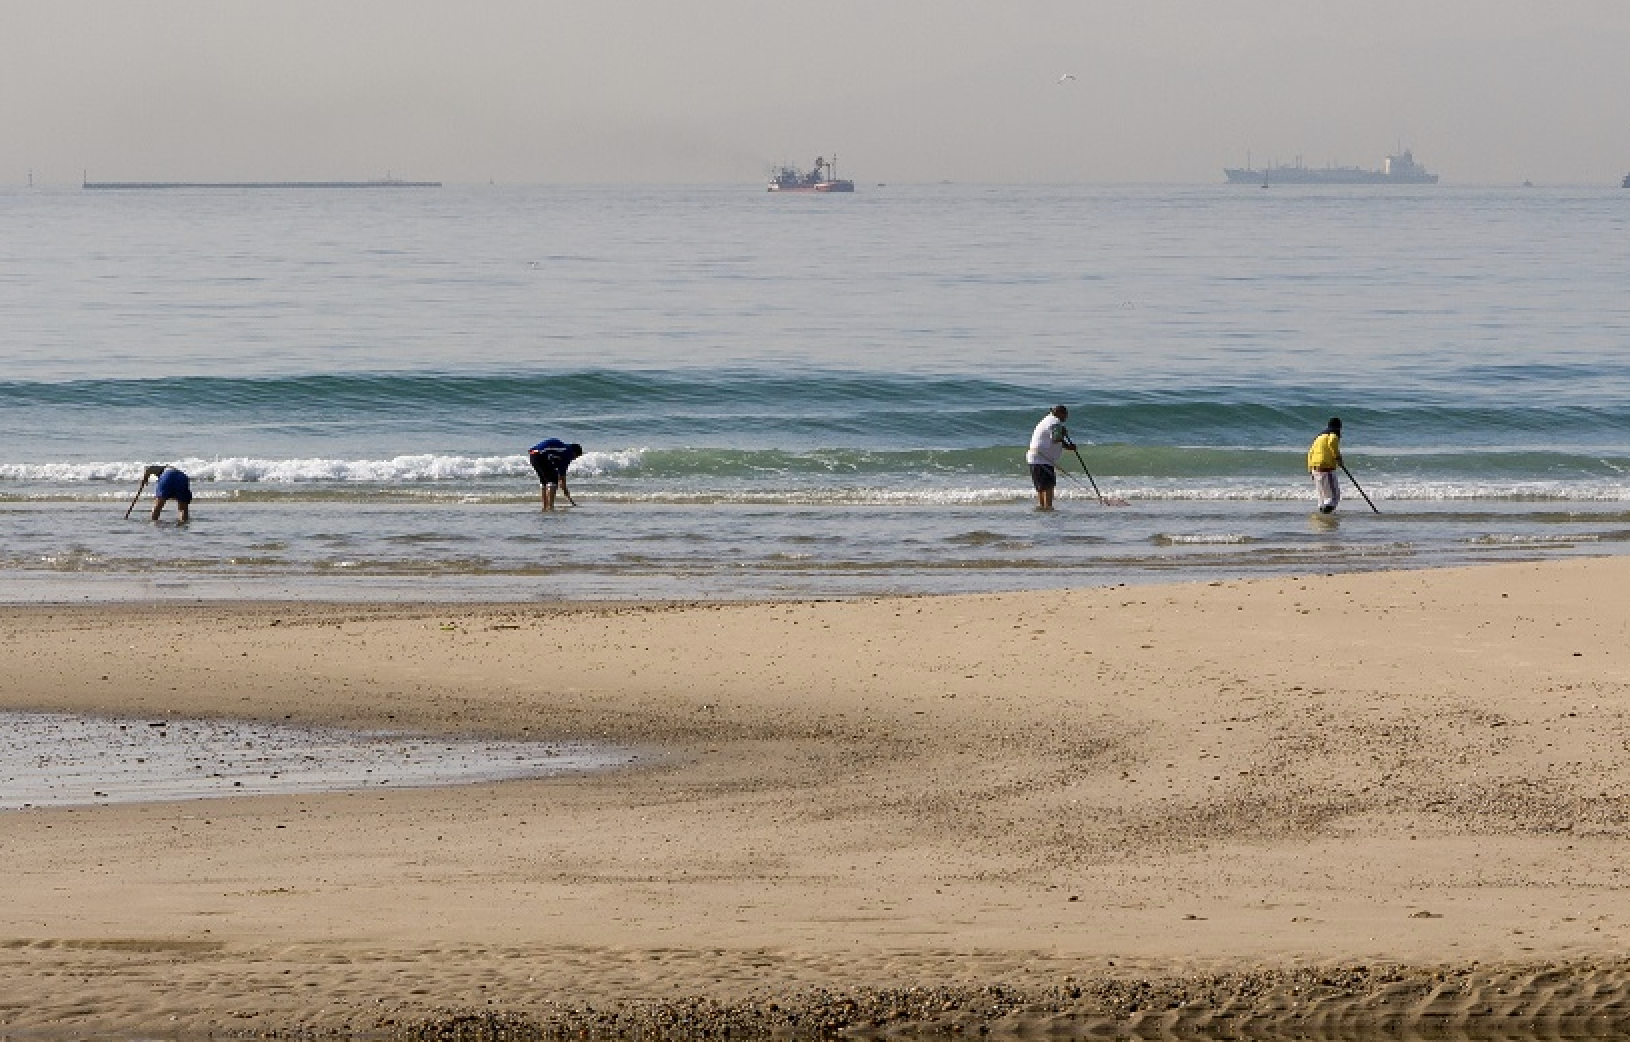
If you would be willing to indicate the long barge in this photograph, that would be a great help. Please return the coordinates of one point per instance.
(1399, 169)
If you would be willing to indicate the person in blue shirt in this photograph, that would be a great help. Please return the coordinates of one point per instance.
(550, 458)
(172, 484)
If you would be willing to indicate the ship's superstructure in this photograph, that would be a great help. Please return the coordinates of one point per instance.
(822, 177)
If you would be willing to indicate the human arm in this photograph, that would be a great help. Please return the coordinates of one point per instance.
(561, 458)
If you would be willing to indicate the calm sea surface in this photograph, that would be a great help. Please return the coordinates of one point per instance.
(787, 396)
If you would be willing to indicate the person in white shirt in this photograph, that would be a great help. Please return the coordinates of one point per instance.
(1047, 444)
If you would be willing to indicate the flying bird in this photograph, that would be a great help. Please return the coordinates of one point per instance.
(1066, 76)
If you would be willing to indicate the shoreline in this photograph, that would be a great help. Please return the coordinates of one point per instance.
(471, 553)
(1230, 795)
(403, 593)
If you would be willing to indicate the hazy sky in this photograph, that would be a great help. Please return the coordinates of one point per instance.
(717, 90)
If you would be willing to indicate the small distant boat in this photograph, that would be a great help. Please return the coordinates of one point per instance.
(1399, 169)
(822, 177)
(1626, 183)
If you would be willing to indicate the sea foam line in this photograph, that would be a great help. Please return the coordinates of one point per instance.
(422, 467)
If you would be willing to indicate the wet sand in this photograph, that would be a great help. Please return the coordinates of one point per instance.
(50, 760)
(1313, 803)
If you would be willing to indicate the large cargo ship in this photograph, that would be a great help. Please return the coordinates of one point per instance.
(1399, 169)
(822, 177)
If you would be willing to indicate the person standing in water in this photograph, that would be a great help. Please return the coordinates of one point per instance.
(1047, 443)
(1323, 459)
(550, 458)
(172, 484)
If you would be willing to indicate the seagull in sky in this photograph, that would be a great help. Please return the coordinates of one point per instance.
(1066, 76)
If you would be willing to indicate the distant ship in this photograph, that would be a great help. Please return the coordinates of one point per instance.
(1399, 169)
(822, 177)
(1626, 181)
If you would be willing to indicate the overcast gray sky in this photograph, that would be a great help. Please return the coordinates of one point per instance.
(694, 91)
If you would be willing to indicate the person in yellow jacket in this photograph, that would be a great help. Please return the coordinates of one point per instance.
(1323, 459)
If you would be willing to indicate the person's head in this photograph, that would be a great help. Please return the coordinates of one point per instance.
(1334, 426)
(154, 470)
(1061, 412)
(574, 450)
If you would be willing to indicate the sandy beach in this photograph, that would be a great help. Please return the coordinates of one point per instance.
(1324, 801)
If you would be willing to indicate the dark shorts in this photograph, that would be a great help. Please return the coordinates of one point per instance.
(172, 484)
(547, 474)
(1043, 476)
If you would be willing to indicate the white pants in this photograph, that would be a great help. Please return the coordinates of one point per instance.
(1328, 490)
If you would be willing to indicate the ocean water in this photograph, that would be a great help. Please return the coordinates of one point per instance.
(800, 396)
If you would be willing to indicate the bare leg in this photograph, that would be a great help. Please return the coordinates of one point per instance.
(181, 508)
(548, 497)
(158, 506)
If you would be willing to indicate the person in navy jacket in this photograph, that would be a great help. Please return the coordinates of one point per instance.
(550, 458)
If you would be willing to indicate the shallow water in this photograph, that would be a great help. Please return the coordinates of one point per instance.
(800, 396)
(65, 760)
(508, 551)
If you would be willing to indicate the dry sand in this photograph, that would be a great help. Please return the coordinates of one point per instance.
(1348, 801)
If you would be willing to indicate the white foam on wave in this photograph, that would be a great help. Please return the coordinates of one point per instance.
(602, 464)
(1542, 491)
(1430, 492)
(1526, 539)
(1240, 493)
(247, 470)
(825, 496)
(1200, 539)
(244, 470)
(69, 473)
(628, 476)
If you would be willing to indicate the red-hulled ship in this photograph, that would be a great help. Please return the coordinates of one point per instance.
(822, 177)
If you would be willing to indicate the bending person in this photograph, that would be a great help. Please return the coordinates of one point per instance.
(172, 484)
(550, 458)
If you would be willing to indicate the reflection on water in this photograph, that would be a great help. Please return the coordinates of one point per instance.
(63, 760)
